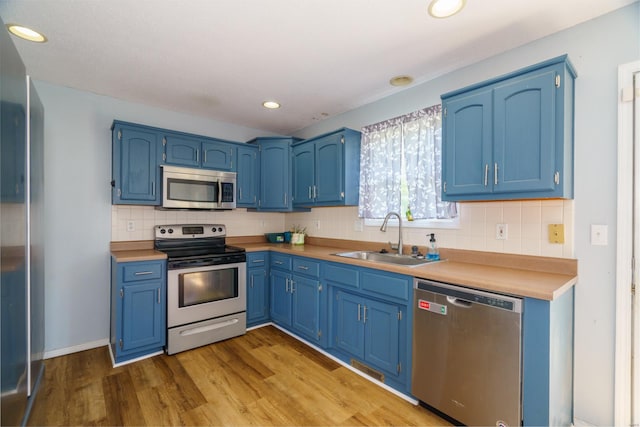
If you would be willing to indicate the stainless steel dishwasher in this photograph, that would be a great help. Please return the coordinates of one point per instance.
(467, 353)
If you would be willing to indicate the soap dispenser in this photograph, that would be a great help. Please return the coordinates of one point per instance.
(432, 253)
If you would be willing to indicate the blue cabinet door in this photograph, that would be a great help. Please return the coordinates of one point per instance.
(511, 137)
(275, 175)
(467, 165)
(280, 303)
(523, 150)
(218, 155)
(382, 336)
(329, 170)
(142, 315)
(303, 174)
(306, 306)
(257, 296)
(136, 166)
(182, 150)
(349, 327)
(248, 178)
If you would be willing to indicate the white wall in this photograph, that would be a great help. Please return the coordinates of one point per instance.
(78, 204)
(596, 48)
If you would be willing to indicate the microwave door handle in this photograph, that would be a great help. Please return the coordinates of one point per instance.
(219, 194)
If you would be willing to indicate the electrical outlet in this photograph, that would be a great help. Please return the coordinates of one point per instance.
(501, 231)
(131, 226)
(556, 233)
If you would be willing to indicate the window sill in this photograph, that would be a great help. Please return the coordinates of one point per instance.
(453, 223)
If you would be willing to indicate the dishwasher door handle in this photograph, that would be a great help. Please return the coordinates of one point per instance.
(459, 302)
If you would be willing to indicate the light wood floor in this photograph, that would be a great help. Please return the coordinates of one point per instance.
(264, 378)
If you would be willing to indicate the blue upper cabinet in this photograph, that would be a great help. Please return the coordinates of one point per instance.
(275, 173)
(218, 155)
(203, 152)
(511, 137)
(137, 154)
(327, 169)
(248, 176)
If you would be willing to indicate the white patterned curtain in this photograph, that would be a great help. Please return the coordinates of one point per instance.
(401, 166)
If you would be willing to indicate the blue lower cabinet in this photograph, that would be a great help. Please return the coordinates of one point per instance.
(297, 297)
(257, 288)
(369, 330)
(547, 361)
(138, 309)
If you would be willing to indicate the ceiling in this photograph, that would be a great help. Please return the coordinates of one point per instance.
(222, 58)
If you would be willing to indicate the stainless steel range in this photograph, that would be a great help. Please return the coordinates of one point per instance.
(206, 285)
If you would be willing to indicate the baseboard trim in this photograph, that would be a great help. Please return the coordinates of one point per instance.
(126, 362)
(76, 348)
(346, 365)
(577, 422)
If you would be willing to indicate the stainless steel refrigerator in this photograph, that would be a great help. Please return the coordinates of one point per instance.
(21, 236)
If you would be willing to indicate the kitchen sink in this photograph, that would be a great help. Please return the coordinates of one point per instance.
(387, 258)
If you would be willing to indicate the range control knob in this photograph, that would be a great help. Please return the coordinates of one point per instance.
(171, 231)
(162, 231)
(220, 229)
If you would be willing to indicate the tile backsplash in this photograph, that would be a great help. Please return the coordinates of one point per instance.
(527, 225)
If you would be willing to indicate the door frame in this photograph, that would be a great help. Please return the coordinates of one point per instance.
(625, 272)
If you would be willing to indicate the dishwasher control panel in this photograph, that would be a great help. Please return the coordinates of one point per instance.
(461, 296)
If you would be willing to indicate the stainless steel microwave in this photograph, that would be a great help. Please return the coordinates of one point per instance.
(188, 188)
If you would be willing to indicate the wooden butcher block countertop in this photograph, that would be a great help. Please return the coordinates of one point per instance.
(543, 278)
(520, 275)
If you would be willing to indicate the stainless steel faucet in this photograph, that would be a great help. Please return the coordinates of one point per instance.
(384, 228)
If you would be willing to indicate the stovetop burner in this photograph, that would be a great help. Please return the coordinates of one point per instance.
(191, 245)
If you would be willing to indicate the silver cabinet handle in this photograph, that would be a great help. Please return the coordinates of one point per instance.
(143, 273)
(278, 262)
(358, 312)
(292, 288)
(258, 260)
(364, 314)
(315, 192)
(197, 155)
(486, 174)
(204, 152)
(285, 199)
(495, 173)
(286, 285)
(252, 281)
(309, 192)
(302, 267)
(240, 193)
(153, 188)
(158, 295)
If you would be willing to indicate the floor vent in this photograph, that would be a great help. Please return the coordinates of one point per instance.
(367, 370)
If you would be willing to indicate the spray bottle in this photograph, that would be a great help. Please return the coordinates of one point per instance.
(432, 252)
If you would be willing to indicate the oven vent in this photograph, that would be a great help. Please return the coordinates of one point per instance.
(367, 370)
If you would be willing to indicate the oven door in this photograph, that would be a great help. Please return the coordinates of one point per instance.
(201, 293)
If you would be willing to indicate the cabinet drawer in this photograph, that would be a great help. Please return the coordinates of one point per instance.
(341, 274)
(306, 266)
(386, 284)
(280, 261)
(257, 259)
(135, 271)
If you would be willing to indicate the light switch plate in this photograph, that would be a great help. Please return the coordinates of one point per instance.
(599, 235)
(556, 233)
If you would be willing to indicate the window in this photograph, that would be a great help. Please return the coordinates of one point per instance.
(400, 168)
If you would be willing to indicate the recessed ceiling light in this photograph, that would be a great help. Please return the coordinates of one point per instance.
(401, 80)
(271, 105)
(26, 33)
(445, 8)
